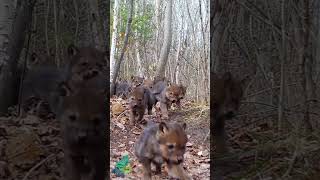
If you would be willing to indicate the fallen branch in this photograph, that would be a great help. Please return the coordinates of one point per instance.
(36, 166)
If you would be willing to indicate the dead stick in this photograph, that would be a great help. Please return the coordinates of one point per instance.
(36, 166)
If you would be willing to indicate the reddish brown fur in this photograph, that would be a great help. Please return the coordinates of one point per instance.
(173, 135)
(156, 143)
(148, 83)
(138, 104)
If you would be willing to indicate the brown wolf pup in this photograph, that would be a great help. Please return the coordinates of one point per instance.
(168, 93)
(140, 100)
(162, 143)
(83, 125)
(227, 93)
(85, 63)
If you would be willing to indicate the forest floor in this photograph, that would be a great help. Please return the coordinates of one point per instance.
(123, 137)
(258, 151)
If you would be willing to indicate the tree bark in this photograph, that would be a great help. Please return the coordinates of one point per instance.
(95, 24)
(118, 63)
(114, 37)
(167, 41)
(137, 44)
(9, 64)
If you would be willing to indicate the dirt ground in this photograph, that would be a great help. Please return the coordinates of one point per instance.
(123, 137)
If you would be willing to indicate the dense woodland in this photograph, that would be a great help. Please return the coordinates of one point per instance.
(276, 43)
(154, 39)
(187, 42)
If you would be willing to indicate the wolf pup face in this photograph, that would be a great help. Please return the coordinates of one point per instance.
(136, 81)
(172, 140)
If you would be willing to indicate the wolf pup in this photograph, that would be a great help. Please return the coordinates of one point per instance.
(162, 143)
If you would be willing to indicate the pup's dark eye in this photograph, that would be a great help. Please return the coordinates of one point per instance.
(84, 64)
(170, 146)
(72, 117)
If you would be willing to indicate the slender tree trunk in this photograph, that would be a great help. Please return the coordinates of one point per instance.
(95, 24)
(165, 50)
(219, 19)
(114, 37)
(75, 4)
(118, 64)
(282, 58)
(9, 63)
(157, 14)
(308, 84)
(177, 68)
(46, 27)
(137, 44)
(56, 32)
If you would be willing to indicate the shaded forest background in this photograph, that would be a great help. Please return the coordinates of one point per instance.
(277, 44)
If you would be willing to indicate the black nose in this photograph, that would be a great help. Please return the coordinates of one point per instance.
(82, 137)
(180, 159)
(94, 72)
(230, 114)
(174, 101)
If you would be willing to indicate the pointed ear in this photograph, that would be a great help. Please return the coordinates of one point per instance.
(72, 50)
(169, 83)
(184, 126)
(163, 128)
(64, 89)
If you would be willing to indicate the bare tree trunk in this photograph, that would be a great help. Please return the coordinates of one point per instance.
(118, 64)
(104, 11)
(167, 41)
(56, 32)
(46, 27)
(219, 19)
(282, 58)
(308, 84)
(157, 14)
(137, 44)
(114, 37)
(95, 24)
(8, 68)
(75, 4)
(177, 68)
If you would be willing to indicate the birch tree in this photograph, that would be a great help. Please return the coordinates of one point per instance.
(114, 37)
(165, 50)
